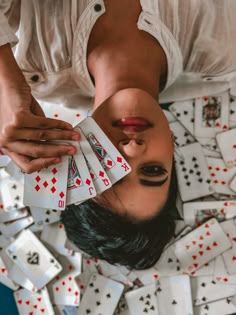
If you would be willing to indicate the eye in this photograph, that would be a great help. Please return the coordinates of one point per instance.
(153, 170)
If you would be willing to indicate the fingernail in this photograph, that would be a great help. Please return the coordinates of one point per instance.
(56, 161)
(76, 137)
(71, 152)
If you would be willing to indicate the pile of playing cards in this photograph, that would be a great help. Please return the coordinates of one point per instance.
(196, 274)
(95, 167)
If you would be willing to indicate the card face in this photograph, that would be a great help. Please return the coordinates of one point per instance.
(229, 256)
(13, 214)
(184, 112)
(45, 216)
(181, 135)
(206, 290)
(195, 213)
(54, 236)
(101, 296)
(201, 246)
(99, 176)
(227, 144)
(32, 257)
(33, 303)
(211, 115)
(142, 301)
(80, 185)
(65, 291)
(12, 194)
(192, 173)
(112, 161)
(174, 295)
(70, 115)
(220, 307)
(10, 229)
(221, 175)
(47, 187)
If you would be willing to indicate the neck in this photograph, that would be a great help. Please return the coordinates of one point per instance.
(115, 72)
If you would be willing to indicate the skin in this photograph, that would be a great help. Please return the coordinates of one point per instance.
(129, 69)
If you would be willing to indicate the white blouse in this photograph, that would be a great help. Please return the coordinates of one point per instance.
(49, 40)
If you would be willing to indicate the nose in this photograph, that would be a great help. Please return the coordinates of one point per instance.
(132, 147)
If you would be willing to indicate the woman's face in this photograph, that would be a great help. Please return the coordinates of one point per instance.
(137, 126)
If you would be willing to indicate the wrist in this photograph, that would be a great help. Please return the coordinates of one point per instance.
(10, 73)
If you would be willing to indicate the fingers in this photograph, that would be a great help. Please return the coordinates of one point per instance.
(42, 134)
(28, 165)
(39, 122)
(40, 149)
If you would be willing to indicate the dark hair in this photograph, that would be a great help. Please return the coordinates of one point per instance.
(117, 239)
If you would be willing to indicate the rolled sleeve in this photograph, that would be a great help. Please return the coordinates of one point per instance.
(7, 35)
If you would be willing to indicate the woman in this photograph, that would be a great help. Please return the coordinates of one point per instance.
(124, 53)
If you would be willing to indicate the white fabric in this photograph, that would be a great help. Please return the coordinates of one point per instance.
(198, 37)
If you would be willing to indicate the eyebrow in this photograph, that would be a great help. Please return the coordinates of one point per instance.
(148, 183)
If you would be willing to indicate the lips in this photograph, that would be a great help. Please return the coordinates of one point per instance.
(132, 124)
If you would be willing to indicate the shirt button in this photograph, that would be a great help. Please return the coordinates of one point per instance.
(97, 7)
(35, 78)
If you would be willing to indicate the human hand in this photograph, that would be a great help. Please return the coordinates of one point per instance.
(25, 132)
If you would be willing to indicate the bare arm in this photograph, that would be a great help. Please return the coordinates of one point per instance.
(23, 124)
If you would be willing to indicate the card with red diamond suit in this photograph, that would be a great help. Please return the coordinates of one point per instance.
(211, 115)
(47, 188)
(99, 176)
(80, 185)
(227, 144)
(33, 303)
(112, 161)
(33, 258)
(201, 246)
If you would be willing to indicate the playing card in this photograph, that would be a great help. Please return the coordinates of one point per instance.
(174, 295)
(195, 213)
(70, 115)
(206, 290)
(227, 144)
(80, 185)
(33, 258)
(184, 112)
(4, 160)
(16, 274)
(147, 276)
(112, 161)
(100, 179)
(13, 214)
(201, 246)
(47, 188)
(168, 264)
(54, 236)
(12, 228)
(192, 173)
(169, 116)
(101, 296)
(65, 291)
(33, 303)
(142, 301)
(181, 135)
(220, 307)
(4, 277)
(89, 266)
(12, 194)
(232, 184)
(211, 115)
(229, 256)
(45, 216)
(221, 175)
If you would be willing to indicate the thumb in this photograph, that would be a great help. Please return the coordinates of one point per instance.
(36, 109)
